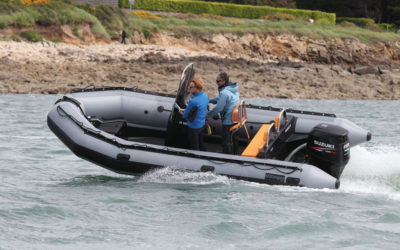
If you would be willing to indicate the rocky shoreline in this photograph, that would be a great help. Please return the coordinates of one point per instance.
(54, 68)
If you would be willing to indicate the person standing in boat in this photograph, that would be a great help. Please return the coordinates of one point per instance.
(195, 114)
(226, 101)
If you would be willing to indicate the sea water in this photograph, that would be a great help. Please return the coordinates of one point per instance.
(51, 199)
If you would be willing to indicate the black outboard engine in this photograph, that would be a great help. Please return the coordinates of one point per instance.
(329, 149)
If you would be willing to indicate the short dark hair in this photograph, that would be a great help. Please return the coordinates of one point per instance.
(223, 76)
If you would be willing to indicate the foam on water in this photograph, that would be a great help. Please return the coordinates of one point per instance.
(373, 171)
(370, 171)
(171, 176)
(378, 161)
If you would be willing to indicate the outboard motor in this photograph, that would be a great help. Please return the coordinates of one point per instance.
(329, 149)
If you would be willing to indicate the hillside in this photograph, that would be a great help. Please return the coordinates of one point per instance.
(284, 59)
(48, 67)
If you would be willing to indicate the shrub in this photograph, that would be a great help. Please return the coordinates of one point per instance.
(210, 16)
(110, 17)
(31, 35)
(99, 30)
(30, 2)
(53, 12)
(47, 16)
(387, 27)
(4, 20)
(75, 31)
(374, 27)
(23, 19)
(123, 3)
(273, 3)
(146, 14)
(146, 33)
(232, 10)
(347, 24)
(114, 35)
(362, 22)
(16, 38)
(280, 17)
(7, 8)
(86, 7)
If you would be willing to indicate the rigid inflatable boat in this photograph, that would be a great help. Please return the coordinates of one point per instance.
(130, 131)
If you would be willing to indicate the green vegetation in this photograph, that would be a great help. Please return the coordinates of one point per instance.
(196, 26)
(123, 3)
(231, 10)
(16, 38)
(382, 11)
(31, 35)
(273, 3)
(5, 20)
(110, 17)
(387, 27)
(362, 22)
(367, 23)
(55, 12)
(55, 40)
(108, 21)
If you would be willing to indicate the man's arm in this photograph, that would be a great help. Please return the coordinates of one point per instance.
(214, 100)
(220, 105)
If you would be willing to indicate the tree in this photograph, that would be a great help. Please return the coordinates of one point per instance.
(387, 11)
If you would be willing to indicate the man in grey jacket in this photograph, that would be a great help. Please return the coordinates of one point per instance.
(226, 102)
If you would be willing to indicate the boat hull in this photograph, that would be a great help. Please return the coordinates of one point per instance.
(125, 157)
(72, 120)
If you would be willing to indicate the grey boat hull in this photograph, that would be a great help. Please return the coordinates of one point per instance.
(72, 119)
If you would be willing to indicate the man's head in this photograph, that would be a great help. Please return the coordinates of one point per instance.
(222, 79)
(196, 85)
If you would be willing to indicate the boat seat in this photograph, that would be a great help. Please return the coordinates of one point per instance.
(258, 142)
(239, 116)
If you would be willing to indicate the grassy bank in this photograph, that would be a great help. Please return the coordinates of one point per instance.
(232, 10)
(55, 12)
(196, 25)
(107, 22)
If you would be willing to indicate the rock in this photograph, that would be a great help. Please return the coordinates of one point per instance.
(324, 56)
(342, 56)
(290, 64)
(365, 70)
(312, 52)
(221, 41)
(7, 61)
(153, 58)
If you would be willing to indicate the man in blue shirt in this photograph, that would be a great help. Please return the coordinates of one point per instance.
(226, 101)
(195, 114)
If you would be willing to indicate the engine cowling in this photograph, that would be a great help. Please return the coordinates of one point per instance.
(328, 148)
